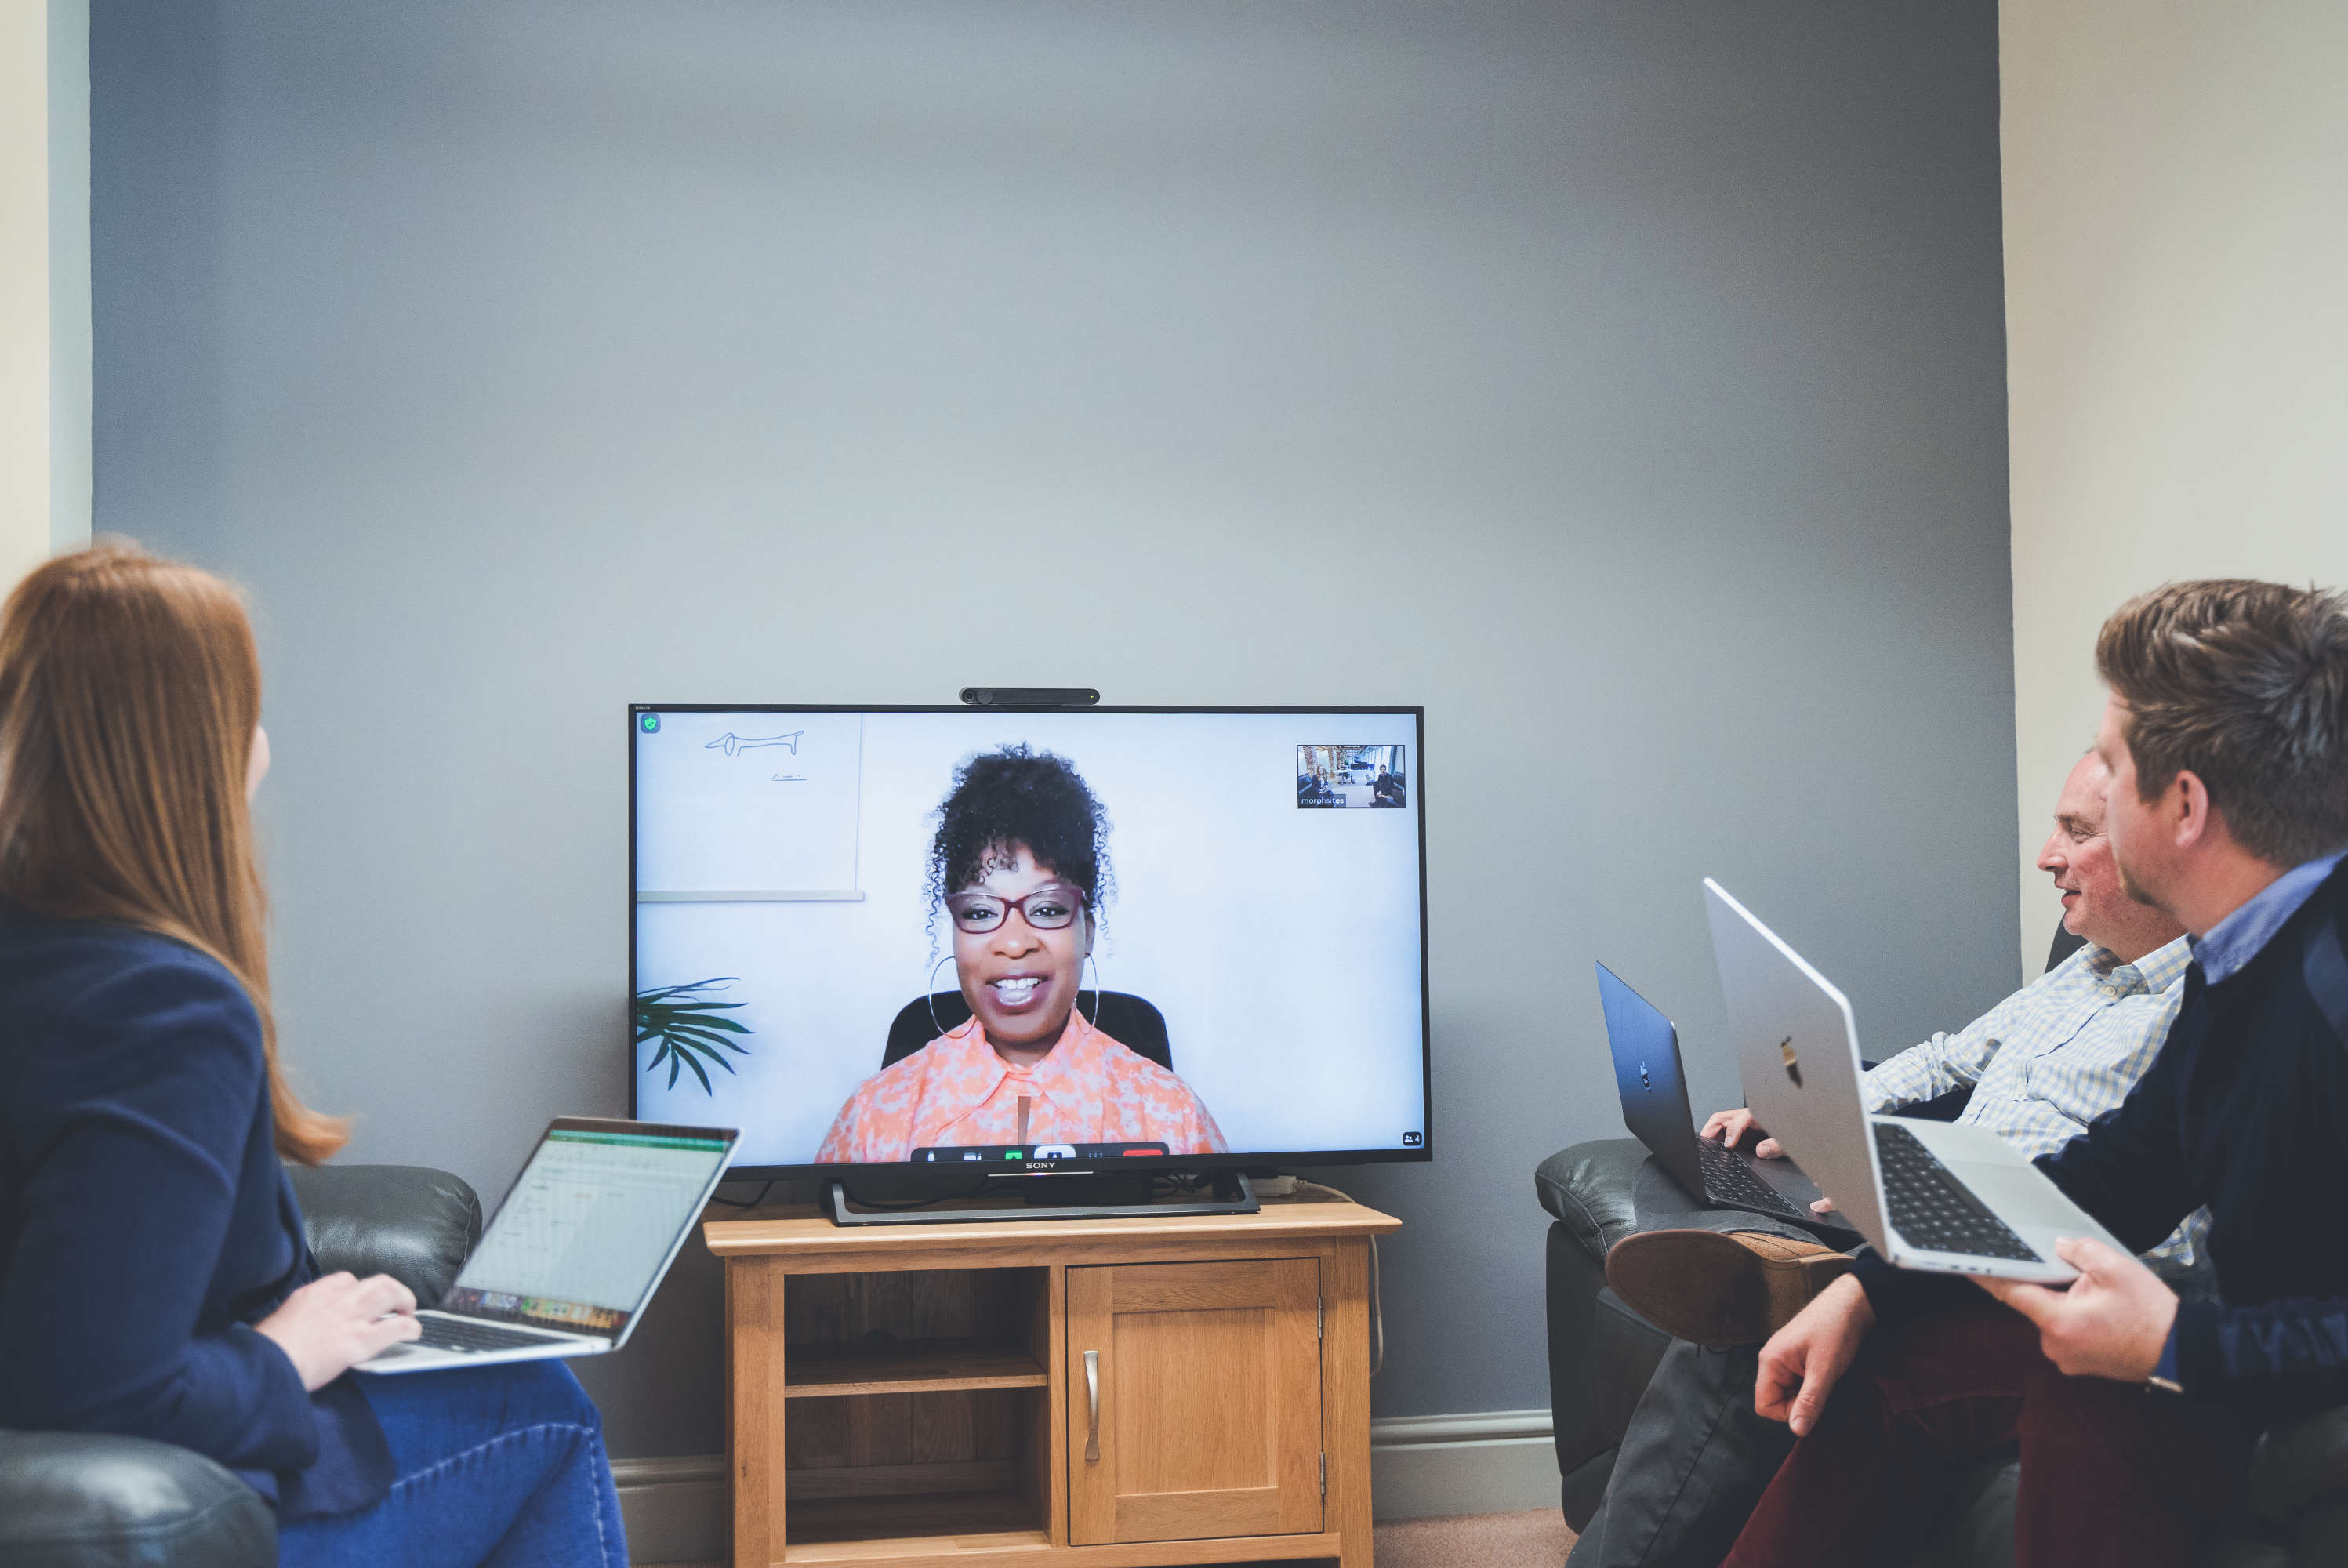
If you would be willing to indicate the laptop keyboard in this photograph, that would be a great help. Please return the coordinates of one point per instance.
(1727, 1182)
(468, 1337)
(1931, 1209)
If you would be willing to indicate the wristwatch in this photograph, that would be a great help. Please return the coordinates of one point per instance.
(2163, 1378)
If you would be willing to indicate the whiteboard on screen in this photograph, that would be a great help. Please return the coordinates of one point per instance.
(747, 805)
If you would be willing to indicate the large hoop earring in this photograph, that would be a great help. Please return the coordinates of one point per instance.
(929, 995)
(1096, 990)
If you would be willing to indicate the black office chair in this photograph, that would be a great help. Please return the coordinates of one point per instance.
(1124, 1017)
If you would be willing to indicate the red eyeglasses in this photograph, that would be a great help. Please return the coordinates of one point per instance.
(1046, 909)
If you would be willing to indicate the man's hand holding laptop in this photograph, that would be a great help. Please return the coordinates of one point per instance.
(2111, 1322)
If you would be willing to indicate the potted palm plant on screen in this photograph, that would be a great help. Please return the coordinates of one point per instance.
(692, 1027)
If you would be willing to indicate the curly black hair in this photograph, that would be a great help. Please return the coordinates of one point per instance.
(1015, 795)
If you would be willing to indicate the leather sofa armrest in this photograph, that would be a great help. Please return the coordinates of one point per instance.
(85, 1497)
(1606, 1189)
(414, 1224)
(2298, 1465)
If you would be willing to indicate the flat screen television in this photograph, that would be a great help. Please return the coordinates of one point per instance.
(1089, 940)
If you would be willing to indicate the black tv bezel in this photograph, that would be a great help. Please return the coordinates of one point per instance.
(1250, 1161)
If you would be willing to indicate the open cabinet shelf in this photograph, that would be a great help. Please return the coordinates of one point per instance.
(916, 1412)
(846, 1528)
(920, 1367)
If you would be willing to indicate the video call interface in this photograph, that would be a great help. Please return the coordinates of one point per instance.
(1000, 941)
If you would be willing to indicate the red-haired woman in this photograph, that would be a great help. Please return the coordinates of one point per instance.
(154, 1276)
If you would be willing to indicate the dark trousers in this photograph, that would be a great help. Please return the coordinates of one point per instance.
(1694, 1461)
(2112, 1473)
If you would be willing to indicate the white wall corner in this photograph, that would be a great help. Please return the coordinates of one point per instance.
(44, 334)
(2177, 336)
(1421, 1467)
(71, 378)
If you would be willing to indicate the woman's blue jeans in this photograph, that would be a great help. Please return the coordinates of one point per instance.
(495, 1466)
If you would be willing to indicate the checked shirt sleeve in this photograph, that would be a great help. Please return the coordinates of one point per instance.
(1942, 1063)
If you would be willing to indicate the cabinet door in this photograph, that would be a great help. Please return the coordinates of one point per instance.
(1194, 1400)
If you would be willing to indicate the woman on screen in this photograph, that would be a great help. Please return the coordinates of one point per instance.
(1018, 865)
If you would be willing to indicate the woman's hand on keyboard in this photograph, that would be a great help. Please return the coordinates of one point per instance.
(331, 1325)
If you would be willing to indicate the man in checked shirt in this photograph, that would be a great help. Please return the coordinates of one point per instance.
(2042, 1064)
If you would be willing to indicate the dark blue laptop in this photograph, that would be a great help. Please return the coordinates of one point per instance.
(1646, 1049)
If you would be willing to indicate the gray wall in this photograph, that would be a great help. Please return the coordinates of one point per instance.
(1636, 368)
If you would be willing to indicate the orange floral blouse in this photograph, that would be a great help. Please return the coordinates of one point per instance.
(956, 1091)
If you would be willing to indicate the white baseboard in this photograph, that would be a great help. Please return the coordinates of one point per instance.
(678, 1510)
(1424, 1467)
(1421, 1467)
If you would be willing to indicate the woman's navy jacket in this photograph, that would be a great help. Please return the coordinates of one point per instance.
(145, 1221)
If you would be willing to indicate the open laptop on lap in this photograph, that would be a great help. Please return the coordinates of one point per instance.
(1646, 1049)
(578, 1247)
(1933, 1195)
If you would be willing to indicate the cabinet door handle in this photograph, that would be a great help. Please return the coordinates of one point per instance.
(1092, 1406)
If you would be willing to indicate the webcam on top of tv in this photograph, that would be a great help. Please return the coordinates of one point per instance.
(1030, 696)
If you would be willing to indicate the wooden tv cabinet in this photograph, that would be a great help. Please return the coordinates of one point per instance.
(1129, 1393)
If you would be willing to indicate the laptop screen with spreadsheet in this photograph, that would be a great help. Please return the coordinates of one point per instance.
(590, 1225)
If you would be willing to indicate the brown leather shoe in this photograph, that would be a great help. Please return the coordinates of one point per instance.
(1719, 1288)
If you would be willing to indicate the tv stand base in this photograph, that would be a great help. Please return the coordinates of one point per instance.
(1134, 1393)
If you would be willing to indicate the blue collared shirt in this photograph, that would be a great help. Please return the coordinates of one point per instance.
(2237, 939)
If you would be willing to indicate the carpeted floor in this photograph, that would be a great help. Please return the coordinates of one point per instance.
(1535, 1540)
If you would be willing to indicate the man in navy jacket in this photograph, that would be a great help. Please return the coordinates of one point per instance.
(2226, 737)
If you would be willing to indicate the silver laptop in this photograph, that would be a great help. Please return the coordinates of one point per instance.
(1931, 1195)
(1646, 1049)
(582, 1240)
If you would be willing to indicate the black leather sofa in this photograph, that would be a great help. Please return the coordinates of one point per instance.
(80, 1500)
(1600, 1356)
